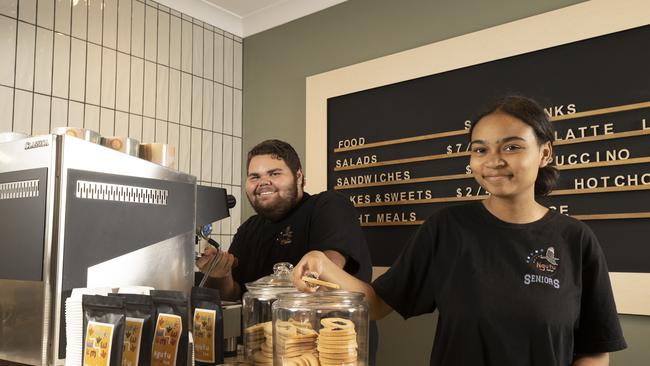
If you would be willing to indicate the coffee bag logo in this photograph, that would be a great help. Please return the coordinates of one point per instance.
(544, 264)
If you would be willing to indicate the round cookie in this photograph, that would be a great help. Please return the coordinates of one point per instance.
(337, 323)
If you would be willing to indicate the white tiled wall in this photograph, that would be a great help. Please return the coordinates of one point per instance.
(127, 67)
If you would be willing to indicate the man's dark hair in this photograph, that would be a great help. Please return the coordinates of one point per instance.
(279, 150)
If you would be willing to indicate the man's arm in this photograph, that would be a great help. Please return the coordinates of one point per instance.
(227, 286)
(593, 359)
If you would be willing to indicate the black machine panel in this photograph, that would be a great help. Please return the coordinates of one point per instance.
(116, 228)
(211, 204)
(23, 200)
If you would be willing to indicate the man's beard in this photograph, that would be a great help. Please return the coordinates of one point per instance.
(279, 209)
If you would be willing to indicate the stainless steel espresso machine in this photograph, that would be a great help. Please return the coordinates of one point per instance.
(77, 214)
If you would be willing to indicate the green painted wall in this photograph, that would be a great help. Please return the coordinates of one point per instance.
(277, 61)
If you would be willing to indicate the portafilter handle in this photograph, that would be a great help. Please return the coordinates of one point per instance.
(213, 243)
(204, 232)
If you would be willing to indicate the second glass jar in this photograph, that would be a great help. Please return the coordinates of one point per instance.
(327, 328)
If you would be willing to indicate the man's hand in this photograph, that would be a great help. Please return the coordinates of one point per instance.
(222, 269)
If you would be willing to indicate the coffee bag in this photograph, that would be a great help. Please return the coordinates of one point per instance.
(138, 329)
(103, 324)
(207, 326)
(170, 334)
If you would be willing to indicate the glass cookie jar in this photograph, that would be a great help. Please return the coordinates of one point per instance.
(257, 312)
(322, 328)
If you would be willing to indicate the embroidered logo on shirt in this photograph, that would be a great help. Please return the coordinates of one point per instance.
(544, 264)
(285, 237)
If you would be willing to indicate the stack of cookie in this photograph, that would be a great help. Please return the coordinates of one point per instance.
(296, 343)
(308, 359)
(337, 342)
(294, 339)
(254, 337)
(264, 355)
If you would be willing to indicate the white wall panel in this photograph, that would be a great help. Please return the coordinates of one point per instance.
(43, 61)
(8, 47)
(59, 115)
(45, 14)
(23, 111)
(25, 56)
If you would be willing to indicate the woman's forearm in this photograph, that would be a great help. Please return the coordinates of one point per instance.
(592, 359)
(377, 307)
(327, 270)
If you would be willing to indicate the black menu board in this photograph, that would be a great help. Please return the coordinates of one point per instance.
(399, 152)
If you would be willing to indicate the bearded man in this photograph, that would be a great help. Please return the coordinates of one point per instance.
(289, 223)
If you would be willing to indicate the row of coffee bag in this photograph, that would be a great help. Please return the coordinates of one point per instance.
(143, 330)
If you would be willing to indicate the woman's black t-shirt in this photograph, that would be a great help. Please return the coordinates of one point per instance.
(508, 294)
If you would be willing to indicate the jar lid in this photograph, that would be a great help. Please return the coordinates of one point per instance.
(323, 296)
(279, 280)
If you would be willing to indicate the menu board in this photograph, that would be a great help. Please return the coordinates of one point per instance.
(400, 152)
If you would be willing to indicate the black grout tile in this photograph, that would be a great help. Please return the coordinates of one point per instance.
(13, 109)
(34, 67)
(85, 70)
(101, 72)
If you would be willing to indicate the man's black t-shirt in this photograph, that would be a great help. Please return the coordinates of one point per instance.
(508, 294)
(324, 221)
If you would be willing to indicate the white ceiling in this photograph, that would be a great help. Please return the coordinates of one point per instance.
(243, 8)
(247, 17)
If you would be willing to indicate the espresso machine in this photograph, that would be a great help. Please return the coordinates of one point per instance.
(76, 214)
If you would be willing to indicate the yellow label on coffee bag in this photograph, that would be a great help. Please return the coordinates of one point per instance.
(132, 338)
(97, 344)
(167, 335)
(204, 326)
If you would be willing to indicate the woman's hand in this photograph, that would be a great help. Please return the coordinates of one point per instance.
(318, 263)
(314, 263)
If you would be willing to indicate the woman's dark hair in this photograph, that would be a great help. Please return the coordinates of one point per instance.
(278, 150)
(532, 114)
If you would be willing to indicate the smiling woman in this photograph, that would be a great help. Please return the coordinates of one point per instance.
(514, 282)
